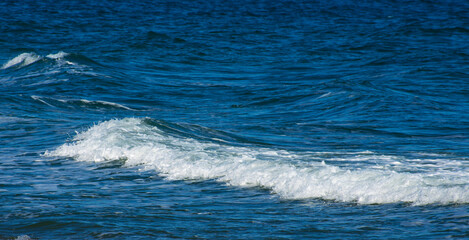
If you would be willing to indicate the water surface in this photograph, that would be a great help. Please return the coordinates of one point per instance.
(235, 119)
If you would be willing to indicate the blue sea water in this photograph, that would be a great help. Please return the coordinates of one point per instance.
(234, 119)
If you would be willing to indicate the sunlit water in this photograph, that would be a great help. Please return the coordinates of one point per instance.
(238, 119)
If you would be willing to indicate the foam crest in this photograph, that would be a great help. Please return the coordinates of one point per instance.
(26, 59)
(58, 55)
(22, 60)
(290, 175)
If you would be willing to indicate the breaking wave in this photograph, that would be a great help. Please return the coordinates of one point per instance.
(22, 60)
(141, 143)
(25, 59)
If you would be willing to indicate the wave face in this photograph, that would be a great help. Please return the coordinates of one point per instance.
(290, 175)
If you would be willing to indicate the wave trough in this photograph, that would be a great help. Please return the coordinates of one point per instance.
(290, 175)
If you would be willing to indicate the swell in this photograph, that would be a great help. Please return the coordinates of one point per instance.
(28, 58)
(365, 177)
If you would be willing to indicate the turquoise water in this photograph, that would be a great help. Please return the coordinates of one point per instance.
(234, 119)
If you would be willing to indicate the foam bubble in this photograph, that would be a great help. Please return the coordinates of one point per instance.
(290, 175)
(22, 60)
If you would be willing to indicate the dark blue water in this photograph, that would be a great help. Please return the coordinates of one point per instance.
(234, 119)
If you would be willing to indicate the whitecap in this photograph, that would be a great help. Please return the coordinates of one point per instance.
(58, 55)
(178, 158)
(22, 60)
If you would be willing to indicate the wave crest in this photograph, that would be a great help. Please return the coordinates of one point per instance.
(22, 60)
(179, 158)
(25, 59)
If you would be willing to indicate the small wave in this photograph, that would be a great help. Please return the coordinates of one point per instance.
(25, 59)
(96, 104)
(58, 55)
(290, 175)
(22, 60)
(100, 103)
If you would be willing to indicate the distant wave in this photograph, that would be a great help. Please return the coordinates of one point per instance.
(22, 60)
(290, 175)
(79, 103)
(58, 55)
(61, 64)
(25, 59)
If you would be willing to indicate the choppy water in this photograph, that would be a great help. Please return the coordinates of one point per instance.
(234, 119)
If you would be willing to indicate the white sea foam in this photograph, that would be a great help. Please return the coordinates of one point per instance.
(287, 174)
(111, 104)
(22, 60)
(37, 98)
(26, 59)
(59, 64)
(58, 55)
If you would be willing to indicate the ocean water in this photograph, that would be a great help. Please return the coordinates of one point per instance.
(234, 119)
